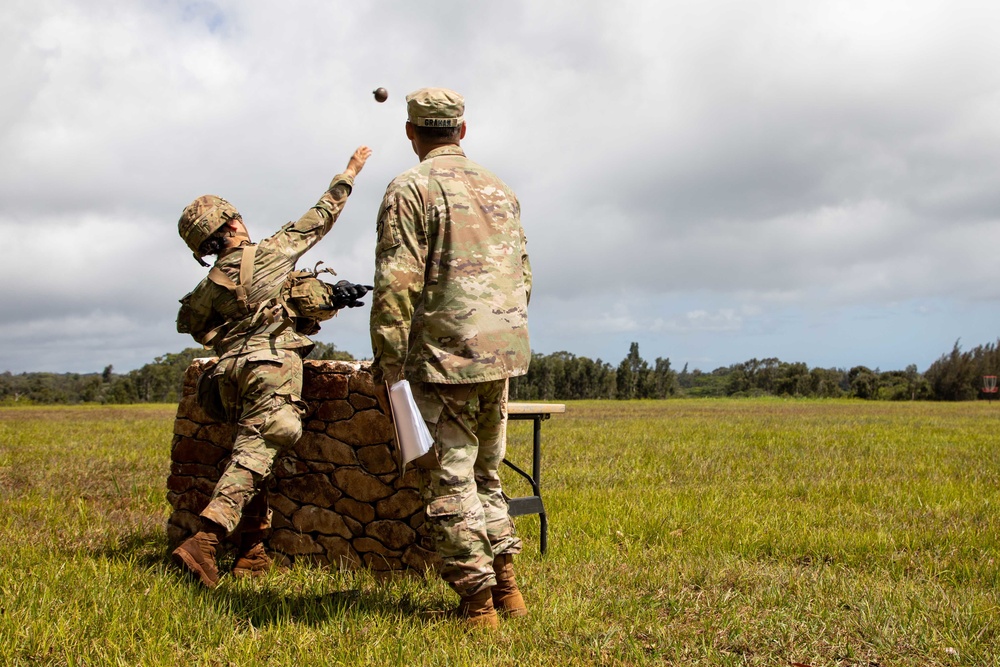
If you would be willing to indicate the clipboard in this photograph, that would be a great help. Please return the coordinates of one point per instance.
(413, 439)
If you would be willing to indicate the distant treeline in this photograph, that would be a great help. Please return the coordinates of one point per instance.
(156, 382)
(956, 376)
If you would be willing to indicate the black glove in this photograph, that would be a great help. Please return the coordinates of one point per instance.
(348, 295)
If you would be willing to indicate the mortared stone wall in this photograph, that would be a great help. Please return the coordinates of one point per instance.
(337, 496)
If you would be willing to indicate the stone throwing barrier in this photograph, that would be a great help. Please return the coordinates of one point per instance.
(337, 496)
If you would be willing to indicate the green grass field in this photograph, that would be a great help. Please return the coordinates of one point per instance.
(683, 532)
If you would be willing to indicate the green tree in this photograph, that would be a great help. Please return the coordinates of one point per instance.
(954, 376)
(632, 376)
(329, 351)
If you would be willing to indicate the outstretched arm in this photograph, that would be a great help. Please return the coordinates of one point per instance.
(297, 237)
(357, 162)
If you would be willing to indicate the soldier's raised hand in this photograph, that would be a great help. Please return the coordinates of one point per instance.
(357, 161)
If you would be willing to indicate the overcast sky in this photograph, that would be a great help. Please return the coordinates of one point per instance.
(716, 180)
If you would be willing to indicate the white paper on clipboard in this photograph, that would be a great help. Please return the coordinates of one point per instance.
(412, 436)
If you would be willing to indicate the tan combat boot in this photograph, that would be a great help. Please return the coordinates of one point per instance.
(507, 597)
(477, 610)
(251, 559)
(197, 553)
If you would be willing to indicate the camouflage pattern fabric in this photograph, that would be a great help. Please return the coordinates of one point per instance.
(260, 359)
(449, 313)
(262, 394)
(212, 314)
(452, 277)
(465, 509)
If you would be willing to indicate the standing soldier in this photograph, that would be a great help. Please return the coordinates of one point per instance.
(449, 313)
(239, 311)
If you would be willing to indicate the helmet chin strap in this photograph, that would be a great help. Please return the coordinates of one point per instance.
(200, 260)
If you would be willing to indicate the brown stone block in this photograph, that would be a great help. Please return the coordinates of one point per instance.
(340, 552)
(368, 427)
(196, 368)
(362, 402)
(185, 427)
(325, 387)
(190, 501)
(393, 534)
(360, 485)
(319, 447)
(314, 425)
(313, 367)
(219, 434)
(400, 505)
(204, 485)
(319, 466)
(377, 460)
(193, 470)
(287, 466)
(333, 411)
(408, 480)
(380, 563)
(188, 408)
(281, 503)
(279, 520)
(310, 490)
(362, 382)
(294, 544)
(362, 512)
(418, 523)
(312, 519)
(366, 545)
(354, 526)
(318, 560)
(189, 450)
(179, 483)
(191, 374)
(417, 558)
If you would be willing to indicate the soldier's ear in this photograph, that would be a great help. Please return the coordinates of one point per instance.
(410, 134)
(461, 133)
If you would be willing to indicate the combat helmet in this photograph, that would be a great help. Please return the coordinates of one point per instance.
(201, 218)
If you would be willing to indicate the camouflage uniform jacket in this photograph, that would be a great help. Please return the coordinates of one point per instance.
(452, 278)
(211, 313)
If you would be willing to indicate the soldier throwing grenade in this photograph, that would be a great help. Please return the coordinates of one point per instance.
(239, 310)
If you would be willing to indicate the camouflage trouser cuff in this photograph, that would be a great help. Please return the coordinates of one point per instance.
(224, 519)
(466, 589)
(510, 546)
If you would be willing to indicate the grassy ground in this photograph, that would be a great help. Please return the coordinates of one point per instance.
(714, 532)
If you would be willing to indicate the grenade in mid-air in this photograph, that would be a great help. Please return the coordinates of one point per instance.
(381, 95)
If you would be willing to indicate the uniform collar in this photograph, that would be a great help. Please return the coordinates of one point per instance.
(229, 251)
(449, 149)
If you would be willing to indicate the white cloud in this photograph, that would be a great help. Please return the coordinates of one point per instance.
(721, 171)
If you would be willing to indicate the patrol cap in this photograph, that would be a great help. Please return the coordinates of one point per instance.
(435, 107)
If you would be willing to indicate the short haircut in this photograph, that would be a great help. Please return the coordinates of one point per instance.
(439, 135)
(216, 243)
(213, 245)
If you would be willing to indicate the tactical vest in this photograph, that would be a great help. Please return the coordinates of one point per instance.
(304, 301)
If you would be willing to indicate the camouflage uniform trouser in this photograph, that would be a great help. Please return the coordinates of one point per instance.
(262, 392)
(464, 506)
